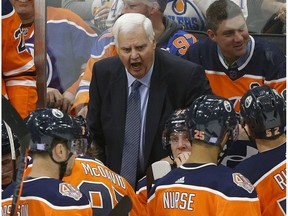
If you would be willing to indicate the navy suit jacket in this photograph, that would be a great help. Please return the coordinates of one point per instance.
(175, 83)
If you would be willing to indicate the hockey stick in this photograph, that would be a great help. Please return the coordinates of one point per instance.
(17, 125)
(122, 208)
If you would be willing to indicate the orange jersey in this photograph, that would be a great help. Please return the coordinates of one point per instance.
(267, 172)
(102, 186)
(18, 70)
(195, 189)
(141, 191)
(263, 64)
(46, 196)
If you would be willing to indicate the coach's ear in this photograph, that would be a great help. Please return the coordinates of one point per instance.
(211, 35)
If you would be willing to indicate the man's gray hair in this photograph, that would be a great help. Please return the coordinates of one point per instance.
(159, 4)
(128, 22)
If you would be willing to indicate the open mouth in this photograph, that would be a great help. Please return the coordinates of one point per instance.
(136, 66)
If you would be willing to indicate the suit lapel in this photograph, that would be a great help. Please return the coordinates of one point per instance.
(118, 103)
(157, 94)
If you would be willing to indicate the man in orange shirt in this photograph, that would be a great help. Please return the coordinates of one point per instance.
(18, 70)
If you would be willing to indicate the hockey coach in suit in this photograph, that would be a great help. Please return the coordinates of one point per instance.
(167, 83)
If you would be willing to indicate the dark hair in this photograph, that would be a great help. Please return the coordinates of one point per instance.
(221, 10)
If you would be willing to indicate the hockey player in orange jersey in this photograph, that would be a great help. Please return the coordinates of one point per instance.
(175, 140)
(263, 110)
(103, 187)
(56, 139)
(18, 70)
(201, 186)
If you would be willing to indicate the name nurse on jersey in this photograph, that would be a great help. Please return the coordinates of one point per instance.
(186, 13)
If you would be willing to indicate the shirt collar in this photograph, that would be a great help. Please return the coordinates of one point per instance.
(242, 59)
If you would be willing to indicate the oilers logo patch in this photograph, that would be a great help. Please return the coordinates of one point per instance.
(227, 106)
(57, 113)
(243, 182)
(248, 101)
(70, 191)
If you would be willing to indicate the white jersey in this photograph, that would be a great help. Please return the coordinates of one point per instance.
(204, 4)
(114, 12)
(191, 13)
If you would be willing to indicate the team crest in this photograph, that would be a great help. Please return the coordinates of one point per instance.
(248, 101)
(70, 191)
(243, 182)
(57, 113)
(227, 106)
(185, 13)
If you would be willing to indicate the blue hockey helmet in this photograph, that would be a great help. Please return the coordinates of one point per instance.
(176, 122)
(47, 124)
(264, 111)
(210, 118)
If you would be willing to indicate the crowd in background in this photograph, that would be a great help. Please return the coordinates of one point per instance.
(199, 86)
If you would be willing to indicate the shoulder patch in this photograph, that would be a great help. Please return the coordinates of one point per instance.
(70, 191)
(243, 182)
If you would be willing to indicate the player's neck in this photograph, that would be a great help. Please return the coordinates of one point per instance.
(26, 18)
(266, 145)
(43, 167)
(203, 153)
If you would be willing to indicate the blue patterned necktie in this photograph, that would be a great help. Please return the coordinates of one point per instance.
(132, 135)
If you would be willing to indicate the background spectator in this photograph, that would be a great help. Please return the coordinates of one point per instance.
(69, 41)
(18, 70)
(191, 13)
(236, 62)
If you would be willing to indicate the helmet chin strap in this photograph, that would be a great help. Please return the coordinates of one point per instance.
(250, 138)
(63, 164)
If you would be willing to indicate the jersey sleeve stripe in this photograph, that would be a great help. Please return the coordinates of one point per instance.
(26, 67)
(21, 83)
